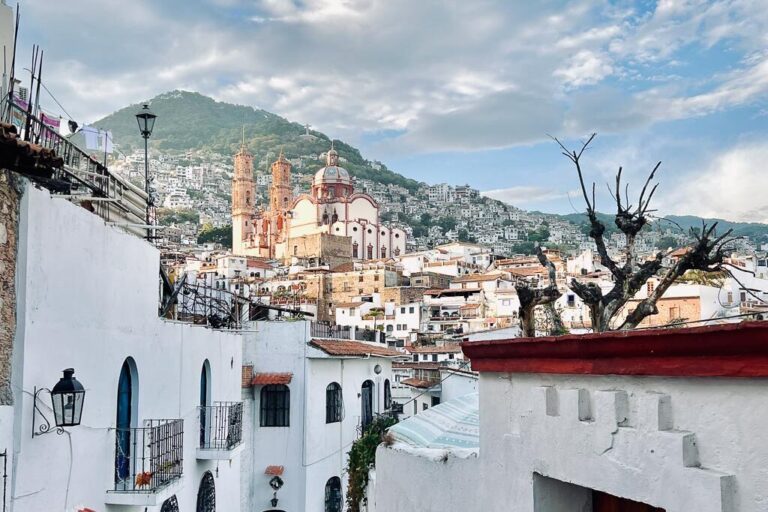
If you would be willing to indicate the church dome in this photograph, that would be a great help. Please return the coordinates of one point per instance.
(332, 174)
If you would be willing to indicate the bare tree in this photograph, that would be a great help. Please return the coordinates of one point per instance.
(630, 274)
(531, 297)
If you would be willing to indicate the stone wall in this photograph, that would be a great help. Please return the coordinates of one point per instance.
(10, 193)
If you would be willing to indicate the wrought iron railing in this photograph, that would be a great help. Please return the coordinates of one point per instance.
(221, 425)
(318, 330)
(148, 458)
(369, 335)
(114, 198)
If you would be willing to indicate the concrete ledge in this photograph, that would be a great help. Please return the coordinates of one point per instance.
(206, 454)
(142, 499)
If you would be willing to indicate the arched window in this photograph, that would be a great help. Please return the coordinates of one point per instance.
(333, 403)
(205, 402)
(275, 405)
(206, 494)
(383, 252)
(355, 248)
(333, 495)
(127, 405)
(366, 404)
(387, 395)
(370, 251)
(170, 505)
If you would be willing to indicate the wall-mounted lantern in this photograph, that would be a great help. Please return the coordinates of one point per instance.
(67, 398)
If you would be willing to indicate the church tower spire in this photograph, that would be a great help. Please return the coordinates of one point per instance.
(280, 193)
(243, 194)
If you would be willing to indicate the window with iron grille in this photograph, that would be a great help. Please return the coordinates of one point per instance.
(275, 405)
(333, 495)
(387, 395)
(333, 403)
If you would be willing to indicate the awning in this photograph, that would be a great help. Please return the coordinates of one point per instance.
(264, 379)
(451, 424)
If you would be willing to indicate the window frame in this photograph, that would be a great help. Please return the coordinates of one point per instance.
(275, 406)
(334, 403)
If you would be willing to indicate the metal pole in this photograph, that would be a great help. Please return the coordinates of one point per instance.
(146, 179)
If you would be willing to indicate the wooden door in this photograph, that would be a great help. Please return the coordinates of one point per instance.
(602, 502)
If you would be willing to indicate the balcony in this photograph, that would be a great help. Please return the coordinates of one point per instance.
(148, 460)
(221, 430)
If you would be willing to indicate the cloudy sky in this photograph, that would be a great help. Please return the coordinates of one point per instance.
(456, 91)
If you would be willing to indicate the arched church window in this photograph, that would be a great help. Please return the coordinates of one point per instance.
(383, 252)
(354, 248)
(397, 251)
(334, 217)
(325, 218)
(370, 251)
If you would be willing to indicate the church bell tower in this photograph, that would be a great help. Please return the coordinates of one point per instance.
(243, 193)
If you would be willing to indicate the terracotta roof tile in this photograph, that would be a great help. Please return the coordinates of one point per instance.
(274, 470)
(418, 383)
(353, 348)
(263, 379)
(445, 349)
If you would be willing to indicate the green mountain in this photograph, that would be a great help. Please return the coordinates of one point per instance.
(188, 120)
(752, 230)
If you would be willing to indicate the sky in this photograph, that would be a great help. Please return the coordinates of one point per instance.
(456, 91)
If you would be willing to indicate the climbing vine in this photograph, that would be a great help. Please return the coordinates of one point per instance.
(362, 457)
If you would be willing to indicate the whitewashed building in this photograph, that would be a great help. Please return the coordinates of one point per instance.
(669, 420)
(306, 401)
(160, 426)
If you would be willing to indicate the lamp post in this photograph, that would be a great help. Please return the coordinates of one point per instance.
(67, 398)
(146, 119)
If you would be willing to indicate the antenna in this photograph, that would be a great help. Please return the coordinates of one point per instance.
(243, 134)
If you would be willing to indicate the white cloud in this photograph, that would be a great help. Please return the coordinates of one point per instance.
(520, 195)
(585, 68)
(452, 75)
(732, 187)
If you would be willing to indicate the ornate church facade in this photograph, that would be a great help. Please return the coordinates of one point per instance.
(330, 223)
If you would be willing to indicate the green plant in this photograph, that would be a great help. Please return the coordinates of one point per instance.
(362, 458)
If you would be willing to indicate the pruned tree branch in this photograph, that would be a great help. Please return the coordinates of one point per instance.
(531, 297)
(629, 275)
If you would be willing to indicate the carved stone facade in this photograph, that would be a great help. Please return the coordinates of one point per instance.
(332, 208)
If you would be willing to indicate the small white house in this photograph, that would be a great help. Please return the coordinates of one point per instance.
(306, 401)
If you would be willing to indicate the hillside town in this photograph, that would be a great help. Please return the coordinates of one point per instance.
(270, 332)
(199, 182)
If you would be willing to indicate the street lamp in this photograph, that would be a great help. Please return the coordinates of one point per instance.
(146, 120)
(67, 398)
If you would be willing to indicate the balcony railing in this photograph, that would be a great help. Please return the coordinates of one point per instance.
(318, 330)
(148, 458)
(111, 197)
(221, 426)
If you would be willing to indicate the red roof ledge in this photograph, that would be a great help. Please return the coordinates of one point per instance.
(729, 350)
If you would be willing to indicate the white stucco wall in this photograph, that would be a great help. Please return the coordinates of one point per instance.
(679, 444)
(89, 298)
(311, 450)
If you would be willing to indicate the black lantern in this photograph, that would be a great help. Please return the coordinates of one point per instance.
(67, 398)
(146, 120)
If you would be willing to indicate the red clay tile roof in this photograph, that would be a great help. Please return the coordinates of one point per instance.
(344, 267)
(472, 278)
(274, 470)
(263, 379)
(413, 365)
(445, 349)
(349, 304)
(352, 348)
(418, 383)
